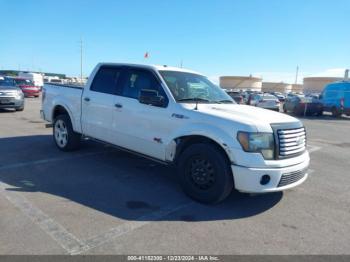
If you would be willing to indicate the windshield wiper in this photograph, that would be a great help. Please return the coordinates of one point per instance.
(224, 101)
(194, 99)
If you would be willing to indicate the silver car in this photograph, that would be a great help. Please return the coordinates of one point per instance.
(10, 95)
(266, 101)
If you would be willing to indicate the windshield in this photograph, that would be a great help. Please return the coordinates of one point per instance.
(189, 87)
(6, 83)
(25, 82)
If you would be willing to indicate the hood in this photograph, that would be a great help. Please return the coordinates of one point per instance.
(243, 114)
(4, 89)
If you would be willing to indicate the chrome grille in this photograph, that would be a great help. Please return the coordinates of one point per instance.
(291, 141)
(290, 178)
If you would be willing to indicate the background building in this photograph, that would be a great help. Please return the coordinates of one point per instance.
(317, 84)
(276, 87)
(241, 82)
(297, 88)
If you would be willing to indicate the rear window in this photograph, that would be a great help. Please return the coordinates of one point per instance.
(24, 82)
(269, 97)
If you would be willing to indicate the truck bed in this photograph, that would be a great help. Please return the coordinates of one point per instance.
(67, 95)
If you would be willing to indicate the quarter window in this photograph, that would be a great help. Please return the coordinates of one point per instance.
(106, 80)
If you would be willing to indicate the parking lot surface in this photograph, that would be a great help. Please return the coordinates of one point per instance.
(99, 200)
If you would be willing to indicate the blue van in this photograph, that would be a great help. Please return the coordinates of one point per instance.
(336, 98)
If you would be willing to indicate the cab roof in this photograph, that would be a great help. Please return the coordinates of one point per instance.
(153, 67)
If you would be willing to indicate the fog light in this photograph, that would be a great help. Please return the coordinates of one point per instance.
(265, 179)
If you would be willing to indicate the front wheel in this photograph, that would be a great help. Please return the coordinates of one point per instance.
(205, 173)
(65, 137)
(335, 112)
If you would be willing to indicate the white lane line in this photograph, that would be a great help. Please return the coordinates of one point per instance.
(49, 160)
(69, 242)
(128, 227)
(57, 232)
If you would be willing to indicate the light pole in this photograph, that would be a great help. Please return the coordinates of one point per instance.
(81, 60)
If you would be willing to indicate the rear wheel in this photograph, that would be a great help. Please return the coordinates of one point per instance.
(65, 137)
(285, 109)
(205, 173)
(335, 112)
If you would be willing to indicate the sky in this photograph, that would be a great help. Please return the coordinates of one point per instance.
(268, 38)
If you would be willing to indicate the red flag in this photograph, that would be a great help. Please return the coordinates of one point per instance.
(146, 55)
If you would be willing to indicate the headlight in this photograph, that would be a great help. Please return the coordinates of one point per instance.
(19, 94)
(257, 143)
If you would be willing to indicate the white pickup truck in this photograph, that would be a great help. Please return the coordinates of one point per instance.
(176, 116)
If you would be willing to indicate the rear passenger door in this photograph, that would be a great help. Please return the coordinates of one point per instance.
(98, 103)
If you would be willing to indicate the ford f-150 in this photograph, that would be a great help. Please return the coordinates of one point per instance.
(179, 117)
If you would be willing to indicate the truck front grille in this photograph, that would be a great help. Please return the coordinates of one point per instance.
(290, 178)
(291, 141)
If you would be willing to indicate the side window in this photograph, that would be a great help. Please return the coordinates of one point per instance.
(138, 79)
(106, 80)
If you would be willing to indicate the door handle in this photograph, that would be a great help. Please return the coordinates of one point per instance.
(87, 99)
(118, 105)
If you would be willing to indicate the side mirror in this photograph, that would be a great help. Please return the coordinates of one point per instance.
(151, 97)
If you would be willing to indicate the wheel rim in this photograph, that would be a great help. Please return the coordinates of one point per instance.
(201, 173)
(61, 133)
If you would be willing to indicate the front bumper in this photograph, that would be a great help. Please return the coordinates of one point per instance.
(249, 179)
(11, 102)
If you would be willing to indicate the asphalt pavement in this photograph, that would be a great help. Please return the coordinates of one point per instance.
(99, 200)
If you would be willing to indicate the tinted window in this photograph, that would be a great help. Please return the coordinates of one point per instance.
(106, 80)
(137, 79)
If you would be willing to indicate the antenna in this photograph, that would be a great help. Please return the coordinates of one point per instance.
(196, 107)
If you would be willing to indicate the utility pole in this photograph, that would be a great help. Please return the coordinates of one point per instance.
(81, 60)
(296, 75)
(181, 64)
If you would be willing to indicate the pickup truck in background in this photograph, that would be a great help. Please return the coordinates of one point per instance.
(178, 117)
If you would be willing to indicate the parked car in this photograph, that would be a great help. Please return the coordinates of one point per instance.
(237, 96)
(336, 98)
(36, 78)
(266, 101)
(28, 87)
(178, 117)
(10, 95)
(279, 95)
(303, 105)
(313, 95)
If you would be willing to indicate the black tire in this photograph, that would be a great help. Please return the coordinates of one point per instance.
(335, 112)
(68, 142)
(320, 113)
(205, 173)
(285, 109)
(20, 108)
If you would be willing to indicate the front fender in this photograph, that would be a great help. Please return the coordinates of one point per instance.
(225, 140)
